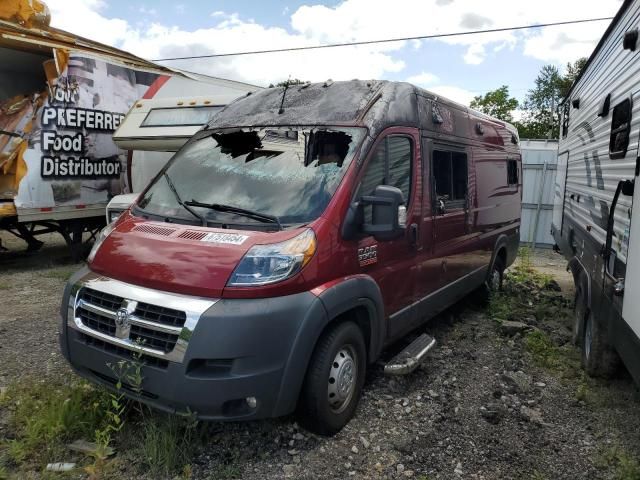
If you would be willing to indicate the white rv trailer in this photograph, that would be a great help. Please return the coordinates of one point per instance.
(594, 224)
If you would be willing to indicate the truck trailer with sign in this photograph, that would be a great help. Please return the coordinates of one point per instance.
(61, 99)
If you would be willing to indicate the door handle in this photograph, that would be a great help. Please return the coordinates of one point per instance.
(413, 233)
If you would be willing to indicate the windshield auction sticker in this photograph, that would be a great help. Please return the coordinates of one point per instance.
(229, 238)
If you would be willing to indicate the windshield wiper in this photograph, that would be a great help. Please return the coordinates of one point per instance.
(184, 205)
(261, 217)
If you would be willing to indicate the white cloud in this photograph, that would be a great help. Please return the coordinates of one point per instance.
(451, 92)
(475, 54)
(84, 18)
(423, 79)
(147, 11)
(350, 20)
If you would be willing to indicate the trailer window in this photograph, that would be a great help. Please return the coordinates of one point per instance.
(180, 116)
(620, 129)
(512, 172)
(450, 178)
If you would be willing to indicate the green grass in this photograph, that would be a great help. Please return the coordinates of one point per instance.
(61, 273)
(624, 466)
(4, 286)
(563, 360)
(524, 294)
(46, 416)
(167, 443)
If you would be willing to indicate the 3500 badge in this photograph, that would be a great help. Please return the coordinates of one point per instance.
(368, 255)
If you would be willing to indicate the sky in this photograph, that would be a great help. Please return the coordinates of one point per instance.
(456, 67)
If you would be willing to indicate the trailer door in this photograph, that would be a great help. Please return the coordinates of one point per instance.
(631, 304)
(559, 191)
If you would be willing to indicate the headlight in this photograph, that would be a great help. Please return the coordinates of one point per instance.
(265, 264)
(102, 236)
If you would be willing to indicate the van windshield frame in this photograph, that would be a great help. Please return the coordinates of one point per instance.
(289, 173)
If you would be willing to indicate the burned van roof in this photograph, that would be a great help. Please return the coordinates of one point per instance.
(326, 103)
(375, 104)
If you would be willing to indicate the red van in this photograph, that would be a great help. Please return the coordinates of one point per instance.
(289, 241)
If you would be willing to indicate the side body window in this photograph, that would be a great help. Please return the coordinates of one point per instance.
(512, 172)
(620, 129)
(450, 178)
(390, 164)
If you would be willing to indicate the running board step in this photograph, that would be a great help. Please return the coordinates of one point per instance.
(409, 359)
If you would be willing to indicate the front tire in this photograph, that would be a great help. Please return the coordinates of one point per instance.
(334, 380)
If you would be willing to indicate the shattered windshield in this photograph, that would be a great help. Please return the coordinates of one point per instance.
(289, 174)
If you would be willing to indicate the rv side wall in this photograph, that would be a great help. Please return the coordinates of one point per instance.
(598, 147)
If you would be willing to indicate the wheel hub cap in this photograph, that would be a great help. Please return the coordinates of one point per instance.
(342, 379)
(495, 280)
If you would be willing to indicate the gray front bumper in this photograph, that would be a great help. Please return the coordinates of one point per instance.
(238, 348)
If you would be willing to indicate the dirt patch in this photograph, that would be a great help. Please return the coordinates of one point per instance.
(31, 285)
(491, 402)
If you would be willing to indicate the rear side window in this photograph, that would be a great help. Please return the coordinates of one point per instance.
(512, 172)
(620, 129)
(450, 178)
(390, 164)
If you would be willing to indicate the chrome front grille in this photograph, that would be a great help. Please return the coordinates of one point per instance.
(165, 316)
(144, 324)
(154, 323)
(97, 322)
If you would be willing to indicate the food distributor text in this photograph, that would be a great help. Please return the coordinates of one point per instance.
(66, 157)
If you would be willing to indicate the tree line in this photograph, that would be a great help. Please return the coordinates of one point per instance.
(541, 107)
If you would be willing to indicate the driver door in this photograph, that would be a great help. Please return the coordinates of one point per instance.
(394, 160)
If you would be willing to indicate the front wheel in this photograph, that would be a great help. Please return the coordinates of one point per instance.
(334, 380)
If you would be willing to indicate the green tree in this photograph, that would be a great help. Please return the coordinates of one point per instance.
(542, 104)
(573, 70)
(496, 103)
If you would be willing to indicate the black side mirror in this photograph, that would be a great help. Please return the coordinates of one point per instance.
(386, 203)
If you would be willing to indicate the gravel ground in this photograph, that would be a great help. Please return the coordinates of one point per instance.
(479, 408)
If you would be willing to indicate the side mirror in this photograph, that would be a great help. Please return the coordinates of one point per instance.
(387, 209)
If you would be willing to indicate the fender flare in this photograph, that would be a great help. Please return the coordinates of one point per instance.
(359, 291)
(501, 242)
(580, 274)
(338, 298)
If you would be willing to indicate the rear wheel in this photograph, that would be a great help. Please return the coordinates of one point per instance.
(493, 283)
(334, 380)
(598, 358)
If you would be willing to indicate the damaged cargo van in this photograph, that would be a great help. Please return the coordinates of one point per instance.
(288, 242)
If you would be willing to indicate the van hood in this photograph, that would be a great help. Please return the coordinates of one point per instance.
(177, 258)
